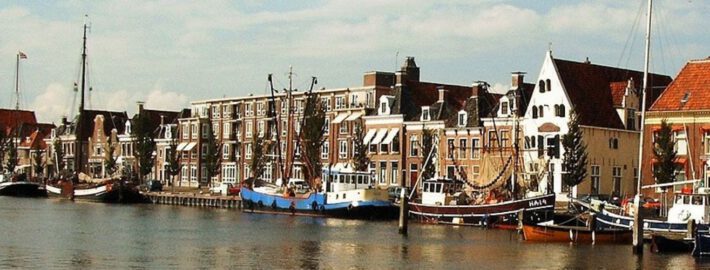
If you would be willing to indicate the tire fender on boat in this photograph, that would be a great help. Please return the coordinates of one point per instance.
(273, 204)
(350, 207)
(292, 207)
(261, 204)
(314, 205)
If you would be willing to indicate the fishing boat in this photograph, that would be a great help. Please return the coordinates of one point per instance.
(545, 232)
(461, 202)
(702, 245)
(348, 194)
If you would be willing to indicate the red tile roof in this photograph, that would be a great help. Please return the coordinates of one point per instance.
(11, 119)
(693, 80)
(589, 89)
(618, 89)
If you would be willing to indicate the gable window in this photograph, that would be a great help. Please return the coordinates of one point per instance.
(541, 111)
(462, 119)
(534, 112)
(548, 85)
(504, 108)
(631, 119)
(541, 86)
(425, 113)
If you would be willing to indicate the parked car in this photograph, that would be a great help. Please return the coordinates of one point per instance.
(222, 188)
(234, 190)
(153, 185)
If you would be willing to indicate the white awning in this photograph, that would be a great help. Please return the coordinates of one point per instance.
(190, 146)
(380, 134)
(390, 136)
(368, 136)
(181, 146)
(354, 116)
(340, 117)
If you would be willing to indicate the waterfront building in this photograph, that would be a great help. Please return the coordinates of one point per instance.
(166, 135)
(685, 105)
(20, 127)
(607, 102)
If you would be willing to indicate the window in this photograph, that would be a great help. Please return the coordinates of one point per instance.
(326, 126)
(413, 146)
(462, 119)
(204, 130)
(534, 112)
(340, 102)
(261, 128)
(353, 100)
(185, 131)
(324, 150)
(215, 111)
(248, 109)
(562, 111)
(475, 148)
(260, 108)
(204, 150)
(249, 129)
(284, 128)
(492, 139)
(595, 179)
(462, 148)
(383, 107)
(343, 149)
(384, 147)
(548, 85)
(616, 181)
(504, 138)
(215, 129)
(679, 176)
(184, 174)
(193, 173)
(541, 111)
(226, 111)
(450, 148)
(475, 172)
(450, 172)
(325, 103)
(395, 172)
(227, 130)
(225, 152)
(247, 153)
(681, 145)
(552, 149)
(383, 171)
(343, 128)
(425, 113)
(706, 139)
(504, 108)
(194, 131)
(541, 86)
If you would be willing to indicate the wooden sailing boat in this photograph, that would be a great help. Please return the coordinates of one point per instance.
(79, 186)
(12, 183)
(442, 200)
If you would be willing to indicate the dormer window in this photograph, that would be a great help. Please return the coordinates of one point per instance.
(504, 108)
(425, 113)
(463, 116)
(385, 105)
(128, 127)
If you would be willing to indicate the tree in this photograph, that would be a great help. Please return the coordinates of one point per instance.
(213, 157)
(173, 159)
(312, 138)
(360, 159)
(574, 160)
(258, 159)
(4, 145)
(142, 135)
(427, 147)
(11, 157)
(58, 155)
(109, 157)
(38, 165)
(664, 151)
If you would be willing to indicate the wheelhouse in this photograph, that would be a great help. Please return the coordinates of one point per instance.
(343, 179)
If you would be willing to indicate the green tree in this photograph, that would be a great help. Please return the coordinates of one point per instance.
(664, 151)
(11, 157)
(360, 160)
(58, 155)
(213, 157)
(428, 147)
(173, 159)
(109, 157)
(574, 160)
(4, 145)
(38, 163)
(142, 134)
(311, 138)
(258, 159)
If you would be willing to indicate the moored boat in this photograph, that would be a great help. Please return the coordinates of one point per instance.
(577, 234)
(20, 188)
(102, 190)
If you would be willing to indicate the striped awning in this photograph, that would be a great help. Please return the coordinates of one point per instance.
(354, 116)
(368, 136)
(340, 117)
(190, 146)
(380, 135)
(181, 146)
(390, 135)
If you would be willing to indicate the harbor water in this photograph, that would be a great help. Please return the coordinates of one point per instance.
(49, 233)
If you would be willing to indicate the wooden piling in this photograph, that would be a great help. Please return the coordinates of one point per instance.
(637, 228)
(403, 212)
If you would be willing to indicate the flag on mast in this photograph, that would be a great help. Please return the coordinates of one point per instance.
(22, 55)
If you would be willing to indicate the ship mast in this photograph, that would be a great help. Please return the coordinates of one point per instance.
(643, 94)
(78, 154)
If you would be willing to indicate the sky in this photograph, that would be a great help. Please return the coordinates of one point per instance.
(168, 53)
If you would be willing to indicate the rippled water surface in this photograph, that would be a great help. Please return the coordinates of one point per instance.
(47, 233)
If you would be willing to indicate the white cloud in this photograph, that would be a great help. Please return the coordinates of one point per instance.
(165, 100)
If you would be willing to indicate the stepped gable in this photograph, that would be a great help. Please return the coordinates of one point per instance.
(694, 81)
(589, 90)
(112, 120)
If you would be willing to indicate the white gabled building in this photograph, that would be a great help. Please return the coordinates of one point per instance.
(606, 99)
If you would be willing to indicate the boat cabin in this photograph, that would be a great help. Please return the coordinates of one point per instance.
(688, 206)
(340, 179)
(440, 191)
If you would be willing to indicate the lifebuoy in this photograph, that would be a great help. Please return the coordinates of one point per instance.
(683, 215)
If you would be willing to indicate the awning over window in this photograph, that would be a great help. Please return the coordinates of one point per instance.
(340, 117)
(354, 116)
(190, 146)
(678, 160)
(368, 136)
(390, 135)
(380, 135)
(181, 146)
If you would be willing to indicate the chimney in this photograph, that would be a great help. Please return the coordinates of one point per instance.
(586, 61)
(162, 119)
(64, 120)
(517, 80)
(410, 69)
(140, 106)
(441, 93)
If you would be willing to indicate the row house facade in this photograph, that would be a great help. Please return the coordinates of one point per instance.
(606, 99)
(20, 127)
(685, 105)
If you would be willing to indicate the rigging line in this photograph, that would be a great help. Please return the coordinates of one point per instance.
(631, 36)
(670, 38)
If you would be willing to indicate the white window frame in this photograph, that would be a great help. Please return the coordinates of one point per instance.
(462, 118)
(325, 149)
(426, 116)
(342, 149)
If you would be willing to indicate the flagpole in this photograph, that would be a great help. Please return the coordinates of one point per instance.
(17, 81)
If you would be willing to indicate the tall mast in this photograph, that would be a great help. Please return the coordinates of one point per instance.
(288, 127)
(277, 119)
(643, 93)
(17, 82)
(79, 147)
